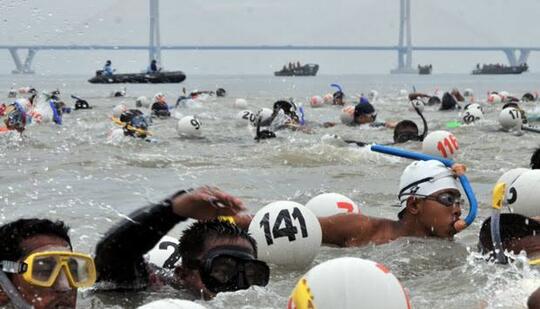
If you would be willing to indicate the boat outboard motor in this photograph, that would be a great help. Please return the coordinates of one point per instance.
(220, 92)
(407, 130)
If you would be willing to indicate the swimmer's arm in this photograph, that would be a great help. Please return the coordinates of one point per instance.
(119, 255)
(344, 229)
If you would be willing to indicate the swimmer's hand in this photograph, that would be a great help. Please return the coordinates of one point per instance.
(206, 203)
(459, 169)
(390, 124)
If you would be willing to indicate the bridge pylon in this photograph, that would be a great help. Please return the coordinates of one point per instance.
(511, 55)
(154, 44)
(20, 67)
(405, 40)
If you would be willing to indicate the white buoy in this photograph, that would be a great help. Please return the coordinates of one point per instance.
(245, 117)
(142, 101)
(418, 104)
(165, 253)
(189, 126)
(170, 303)
(503, 94)
(510, 118)
(347, 115)
(441, 143)
(266, 117)
(523, 194)
(287, 234)
(494, 98)
(240, 103)
(403, 93)
(328, 98)
(316, 101)
(471, 115)
(329, 204)
(119, 109)
(349, 283)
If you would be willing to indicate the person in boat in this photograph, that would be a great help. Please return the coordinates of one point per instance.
(213, 256)
(36, 260)
(108, 69)
(160, 108)
(153, 68)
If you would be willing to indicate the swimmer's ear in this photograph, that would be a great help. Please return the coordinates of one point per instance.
(413, 205)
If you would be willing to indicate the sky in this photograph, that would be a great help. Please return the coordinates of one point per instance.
(257, 22)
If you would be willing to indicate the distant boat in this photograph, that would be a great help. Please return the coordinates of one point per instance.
(425, 69)
(304, 70)
(139, 78)
(500, 69)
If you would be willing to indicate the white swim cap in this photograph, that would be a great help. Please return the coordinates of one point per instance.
(424, 178)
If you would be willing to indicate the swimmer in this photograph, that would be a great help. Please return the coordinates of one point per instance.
(15, 119)
(535, 159)
(160, 108)
(364, 113)
(216, 256)
(338, 98)
(430, 207)
(285, 116)
(80, 103)
(534, 300)
(134, 123)
(35, 255)
(450, 101)
(519, 225)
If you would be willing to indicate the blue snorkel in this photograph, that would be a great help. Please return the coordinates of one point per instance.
(473, 209)
(302, 115)
(338, 87)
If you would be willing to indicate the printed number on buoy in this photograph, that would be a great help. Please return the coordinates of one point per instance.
(448, 145)
(289, 230)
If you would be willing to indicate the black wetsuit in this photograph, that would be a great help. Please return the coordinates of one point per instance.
(119, 254)
(160, 110)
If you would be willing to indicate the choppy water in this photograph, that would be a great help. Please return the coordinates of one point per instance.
(72, 173)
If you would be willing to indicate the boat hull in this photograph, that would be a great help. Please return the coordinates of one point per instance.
(139, 78)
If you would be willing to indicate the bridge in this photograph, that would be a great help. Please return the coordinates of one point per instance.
(516, 55)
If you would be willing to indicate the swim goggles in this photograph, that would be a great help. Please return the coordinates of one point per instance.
(43, 268)
(447, 199)
(226, 268)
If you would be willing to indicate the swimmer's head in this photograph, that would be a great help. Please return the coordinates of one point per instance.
(429, 194)
(16, 119)
(159, 97)
(338, 97)
(406, 130)
(287, 107)
(204, 243)
(449, 102)
(28, 236)
(364, 113)
(135, 123)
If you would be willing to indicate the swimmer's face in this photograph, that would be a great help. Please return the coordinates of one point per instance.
(437, 218)
(61, 294)
(338, 101)
(191, 278)
(364, 118)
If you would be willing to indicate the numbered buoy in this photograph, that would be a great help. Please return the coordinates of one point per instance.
(494, 98)
(349, 283)
(316, 101)
(329, 204)
(165, 253)
(509, 177)
(523, 194)
(418, 104)
(441, 143)
(170, 303)
(240, 103)
(266, 117)
(119, 109)
(403, 93)
(347, 115)
(245, 117)
(142, 101)
(287, 234)
(189, 126)
(471, 115)
(510, 118)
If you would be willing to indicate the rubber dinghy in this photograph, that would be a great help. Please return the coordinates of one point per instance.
(139, 78)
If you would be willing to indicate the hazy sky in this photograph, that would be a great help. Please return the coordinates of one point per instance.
(338, 22)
